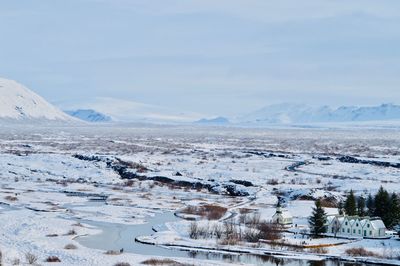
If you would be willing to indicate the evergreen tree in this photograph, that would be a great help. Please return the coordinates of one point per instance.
(382, 204)
(361, 206)
(318, 220)
(394, 210)
(350, 204)
(370, 205)
(340, 207)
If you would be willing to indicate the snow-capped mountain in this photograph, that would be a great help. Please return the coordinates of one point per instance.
(127, 111)
(18, 103)
(89, 115)
(303, 114)
(218, 121)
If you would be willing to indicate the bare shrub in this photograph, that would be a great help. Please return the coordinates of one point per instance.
(162, 262)
(254, 220)
(194, 230)
(204, 231)
(130, 183)
(15, 261)
(71, 232)
(78, 224)
(30, 258)
(10, 198)
(53, 259)
(243, 218)
(113, 252)
(269, 231)
(70, 247)
(272, 182)
(319, 250)
(122, 264)
(244, 210)
(52, 235)
(251, 235)
(218, 230)
(231, 232)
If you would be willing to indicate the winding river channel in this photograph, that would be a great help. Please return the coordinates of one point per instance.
(117, 236)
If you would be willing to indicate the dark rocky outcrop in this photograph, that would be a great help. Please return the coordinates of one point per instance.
(350, 159)
(232, 188)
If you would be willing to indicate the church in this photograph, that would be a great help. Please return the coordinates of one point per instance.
(282, 217)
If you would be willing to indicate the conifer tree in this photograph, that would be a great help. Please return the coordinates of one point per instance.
(340, 207)
(350, 204)
(318, 220)
(370, 205)
(394, 210)
(382, 205)
(361, 206)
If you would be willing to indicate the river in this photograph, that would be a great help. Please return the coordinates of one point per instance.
(117, 236)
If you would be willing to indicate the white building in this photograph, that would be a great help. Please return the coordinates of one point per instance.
(282, 217)
(355, 226)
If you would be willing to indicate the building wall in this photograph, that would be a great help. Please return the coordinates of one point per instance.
(355, 229)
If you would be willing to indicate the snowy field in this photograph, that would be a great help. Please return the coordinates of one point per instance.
(57, 183)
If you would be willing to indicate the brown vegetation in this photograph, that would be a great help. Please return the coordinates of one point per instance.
(71, 232)
(113, 252)
(209, 211)
(10, 198)
(360, 252)
(122, 264)
(70, 246)
(53, 259)
(168, 262)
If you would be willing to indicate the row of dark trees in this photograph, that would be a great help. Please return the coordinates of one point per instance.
(383, 205)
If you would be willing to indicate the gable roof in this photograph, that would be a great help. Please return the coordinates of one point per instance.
(378, 224)
(284, 214)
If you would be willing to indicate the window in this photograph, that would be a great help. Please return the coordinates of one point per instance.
(354, 231)
(343, 230)
(368, 225)
(348, 230)
(359, 231)
(346, 223)
(370, 232)
(357, 225)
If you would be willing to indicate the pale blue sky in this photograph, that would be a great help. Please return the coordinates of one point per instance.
(205, 56)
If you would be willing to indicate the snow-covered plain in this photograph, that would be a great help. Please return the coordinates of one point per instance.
(45, 190)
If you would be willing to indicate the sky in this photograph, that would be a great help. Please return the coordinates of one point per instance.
(209, 57)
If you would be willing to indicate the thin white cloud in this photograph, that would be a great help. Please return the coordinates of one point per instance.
(125, 110)
(264, 10)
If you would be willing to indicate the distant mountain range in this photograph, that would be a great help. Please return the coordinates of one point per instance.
(89, 115)
(19, 104)
(303, 114)
(220, 121)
